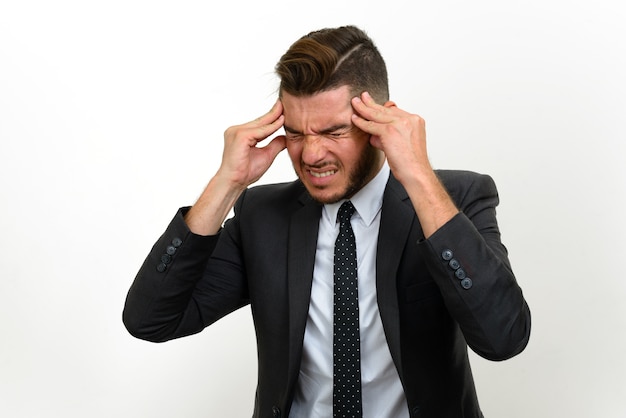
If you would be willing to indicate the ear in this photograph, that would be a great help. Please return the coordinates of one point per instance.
(389, 103)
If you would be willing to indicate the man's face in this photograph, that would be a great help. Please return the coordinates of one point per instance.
(332, 157)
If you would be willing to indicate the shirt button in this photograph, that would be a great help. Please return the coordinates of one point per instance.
(276, 412)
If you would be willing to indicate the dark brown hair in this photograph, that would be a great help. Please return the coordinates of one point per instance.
(330, 58)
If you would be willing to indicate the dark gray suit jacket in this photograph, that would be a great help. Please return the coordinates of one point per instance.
(435, 296)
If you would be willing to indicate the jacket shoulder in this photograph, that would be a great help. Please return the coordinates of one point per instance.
(276, 192)
(278, 198)
(464, 185)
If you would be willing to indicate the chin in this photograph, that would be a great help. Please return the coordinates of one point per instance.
(328, 196)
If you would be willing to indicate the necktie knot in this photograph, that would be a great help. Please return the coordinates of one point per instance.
(345, 212)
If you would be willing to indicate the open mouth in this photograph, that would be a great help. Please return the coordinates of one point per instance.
(322, 174)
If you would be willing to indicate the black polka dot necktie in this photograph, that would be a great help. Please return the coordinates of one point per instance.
(346, 339)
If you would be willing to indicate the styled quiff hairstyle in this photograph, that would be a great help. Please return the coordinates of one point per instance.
(331, 58)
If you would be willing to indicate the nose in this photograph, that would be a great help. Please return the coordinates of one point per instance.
(313, 150)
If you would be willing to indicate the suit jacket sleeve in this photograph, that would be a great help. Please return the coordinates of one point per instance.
(169, 298)
(471, 267)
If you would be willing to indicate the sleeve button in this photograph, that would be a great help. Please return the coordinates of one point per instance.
(454, 264)
(447, 255)
(466, 283)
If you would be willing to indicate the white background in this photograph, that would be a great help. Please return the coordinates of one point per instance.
(111, 117)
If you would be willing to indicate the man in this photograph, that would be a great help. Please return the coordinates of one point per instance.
(431, 274)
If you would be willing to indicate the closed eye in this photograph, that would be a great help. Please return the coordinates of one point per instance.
(293, 136)
(334, 132)
(338, 132)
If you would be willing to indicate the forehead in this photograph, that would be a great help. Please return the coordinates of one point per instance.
(326, 107)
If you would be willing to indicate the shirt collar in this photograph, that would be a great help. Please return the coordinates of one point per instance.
(368, 201)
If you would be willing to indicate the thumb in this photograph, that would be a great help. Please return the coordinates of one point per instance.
(275, 146)
(376, 142)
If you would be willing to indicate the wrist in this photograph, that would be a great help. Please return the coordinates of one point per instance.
(207, 215)
(431, 201)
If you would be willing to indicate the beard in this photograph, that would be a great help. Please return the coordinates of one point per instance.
(365, 170)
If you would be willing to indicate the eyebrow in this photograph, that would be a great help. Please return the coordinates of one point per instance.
(330, 129)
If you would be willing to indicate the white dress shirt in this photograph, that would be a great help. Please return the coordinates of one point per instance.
(382, 393)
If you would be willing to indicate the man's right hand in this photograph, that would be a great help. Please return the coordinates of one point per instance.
(243, 163)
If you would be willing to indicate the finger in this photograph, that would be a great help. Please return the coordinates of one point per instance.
(263, 157)
(368, 109)
(369, 126)
(272, 115)
(261, 132)
(275, 146)
(264, 126)
(376, 142)
(252, 133)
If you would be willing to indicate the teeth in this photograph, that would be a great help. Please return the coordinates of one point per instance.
(324, 174)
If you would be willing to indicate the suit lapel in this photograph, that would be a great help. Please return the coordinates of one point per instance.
(397, 217)
(303, 231)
